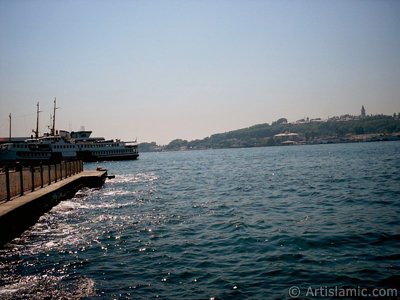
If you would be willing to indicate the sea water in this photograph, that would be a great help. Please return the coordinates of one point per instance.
(223, 224)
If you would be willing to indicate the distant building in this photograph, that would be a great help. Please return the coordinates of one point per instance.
(362, 112)
(316, 120)
(287, 138)
(301, 121)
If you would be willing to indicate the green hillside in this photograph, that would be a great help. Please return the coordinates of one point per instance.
(308, 132)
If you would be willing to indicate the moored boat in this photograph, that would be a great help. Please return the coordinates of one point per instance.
(51, 148)
(58, 148)
(63, 145)
(99, 149)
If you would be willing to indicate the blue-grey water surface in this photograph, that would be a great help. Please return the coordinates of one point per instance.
(222, 224)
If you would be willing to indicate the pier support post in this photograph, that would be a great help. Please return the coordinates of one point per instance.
(41, 175)
(33, 178)
(21, 179)
(8, 183)
(55, 172)
(49, 169)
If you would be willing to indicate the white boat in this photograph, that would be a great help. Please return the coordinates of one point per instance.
(77, 145)
(99, 149)
(51, 148)
(63, 145)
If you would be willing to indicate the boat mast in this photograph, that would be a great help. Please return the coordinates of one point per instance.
(10, 128)
(53, 130)
(37, 121)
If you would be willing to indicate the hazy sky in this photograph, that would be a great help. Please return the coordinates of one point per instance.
(160, 70)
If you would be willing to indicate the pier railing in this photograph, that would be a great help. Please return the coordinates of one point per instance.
(18, 180)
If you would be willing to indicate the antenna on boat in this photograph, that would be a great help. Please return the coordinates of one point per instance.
(37, 121)
(10, 127)
(53, 130)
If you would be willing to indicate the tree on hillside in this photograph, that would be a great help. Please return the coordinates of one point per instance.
(280, 121)
(177, 144)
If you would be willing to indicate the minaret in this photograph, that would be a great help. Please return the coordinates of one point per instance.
(362, 112)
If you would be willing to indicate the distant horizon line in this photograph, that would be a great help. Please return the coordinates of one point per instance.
(299, 121)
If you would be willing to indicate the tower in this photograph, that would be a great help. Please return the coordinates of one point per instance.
(362, 112)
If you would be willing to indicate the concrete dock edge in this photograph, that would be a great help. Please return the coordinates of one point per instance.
(20, 213)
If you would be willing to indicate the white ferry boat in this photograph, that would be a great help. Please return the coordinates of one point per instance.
(77, 145)
(63, 145)
(99, 149)
(51, 148)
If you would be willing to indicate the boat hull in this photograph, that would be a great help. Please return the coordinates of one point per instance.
(88, 156)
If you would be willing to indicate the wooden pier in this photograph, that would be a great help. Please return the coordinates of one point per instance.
(21, 212)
